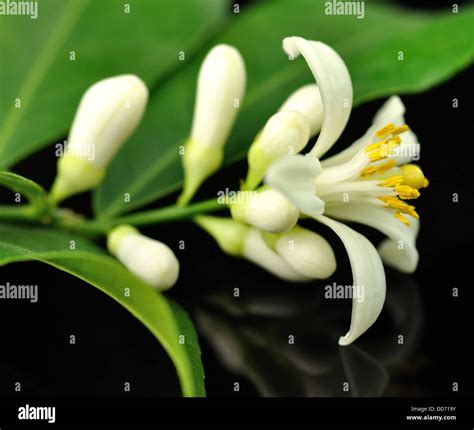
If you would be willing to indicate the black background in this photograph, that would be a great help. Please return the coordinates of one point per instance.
(112, 347)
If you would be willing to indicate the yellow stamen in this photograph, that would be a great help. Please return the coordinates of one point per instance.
(380, 168)
(383, 152)
(374, 146)
(385, 131)
(426, 183)
(411, 211)
(380, 150)
(368, 171)
(395, 203)
(386, 166)
(396, 140)
(392, 181)
(400, 217)
(378, 155)
(400, 129)
(413, 176)
(406, 192)
(393, 141)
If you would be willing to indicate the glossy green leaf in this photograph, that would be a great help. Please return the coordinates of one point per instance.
(47, 63)
(434, 48)
(164, 318)
(19, 184)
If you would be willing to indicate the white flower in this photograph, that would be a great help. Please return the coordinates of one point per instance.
(220, 90)
(108, 114)
(267, 209)
(150, 260)
(363, 183)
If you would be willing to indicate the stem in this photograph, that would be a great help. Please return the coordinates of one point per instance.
(20, 213)
(154, 216)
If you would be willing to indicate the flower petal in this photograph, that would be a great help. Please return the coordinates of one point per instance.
(294, 176)
(334, 84)
(368, 274)
(400, 249)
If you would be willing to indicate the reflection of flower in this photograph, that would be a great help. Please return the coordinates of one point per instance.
(250, 335)
(368, 183)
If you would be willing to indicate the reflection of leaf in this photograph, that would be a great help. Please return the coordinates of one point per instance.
(434, 48)
(164, 318)
(105, 40)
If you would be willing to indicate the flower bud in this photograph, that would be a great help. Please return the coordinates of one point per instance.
(220, 89)
(108, 113)
(243, 241)
(306, 252)
(285, 133)
(257, 251)
(150, 260)
(268, 210)
(307, 101)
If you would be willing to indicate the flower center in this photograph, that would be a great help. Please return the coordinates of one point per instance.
(372, 177)
(405, 181)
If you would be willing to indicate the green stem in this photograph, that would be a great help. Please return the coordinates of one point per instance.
(17, 213)
(154, 216)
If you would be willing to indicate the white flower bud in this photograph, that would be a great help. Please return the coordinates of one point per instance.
(285, 133)
(220, 90)
(150, 260)
(268, 210)
(240, 240)
(221, 85)
(257, 251)
(306, 252)
(307, 101)
(108, 113)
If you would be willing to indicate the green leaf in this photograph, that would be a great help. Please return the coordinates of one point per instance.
(435, 47)
(31, 190)
(163, 317)
(41, 85)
